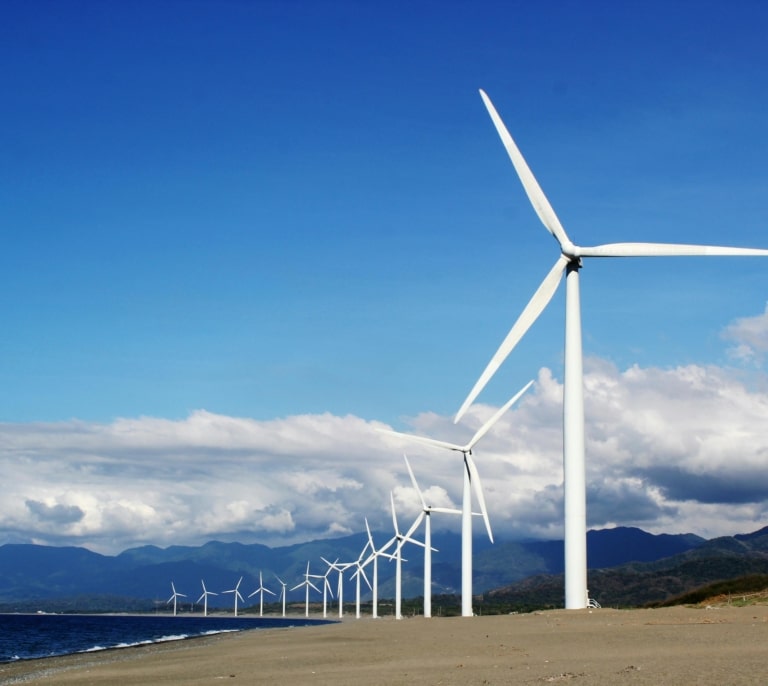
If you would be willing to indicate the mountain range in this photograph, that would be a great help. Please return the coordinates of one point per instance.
(628, 566)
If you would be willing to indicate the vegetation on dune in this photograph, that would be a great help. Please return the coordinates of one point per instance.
(744, 590)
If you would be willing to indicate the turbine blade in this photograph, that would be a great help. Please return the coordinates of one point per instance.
(666, 250)
(532, 310)
(414, 526)
(474, 477)
(422, 439)
(370, 537)
(413, 481)
(361, 571)
(487, 426)
(532, 189)
(394, 516)
(445, 510)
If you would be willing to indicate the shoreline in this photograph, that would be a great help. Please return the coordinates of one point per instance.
(605, 646)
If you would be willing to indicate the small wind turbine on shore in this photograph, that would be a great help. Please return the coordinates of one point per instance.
(307, 584)
(326, 586)
(374, 558)
(340, 568)
(174, 596)
(204, 598)
(282, 591)
(360, 572)
(261, 590)
(426, 515)
(401, 540)
(236, 593)
(471, 480)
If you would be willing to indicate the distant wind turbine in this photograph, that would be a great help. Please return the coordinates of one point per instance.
(307, 584)
(282, 591)
(471, 479)
(326, 587)
(204, 598)
(426, 515)
(261, 590)
(569, 262)
(340, 568)
(360, 572)
(401, 539)
(374, 558)
(174, 596)
(236, 593)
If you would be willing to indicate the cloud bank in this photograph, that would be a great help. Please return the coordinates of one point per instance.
(668, 450)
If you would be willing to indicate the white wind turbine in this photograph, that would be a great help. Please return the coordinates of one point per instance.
(374, 557)
(471, 479)
(401, 540)
(360, 572)
(174, 596)
(204, 598)
(236, 593)
(282, 591)
(340, 568)
(306, 583)
(426, 514)
(326, 586)
(261, 590)
(569, 262)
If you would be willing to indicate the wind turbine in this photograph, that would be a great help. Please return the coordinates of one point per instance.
(471, 478)
(374, 557)
(569, 262)
(401, 540)
(236, 592)
(340, 568)
(174, 597)
(306, 583)
(360, 572)
(326, 586)
(261, 590)
(427, 511)
(282, 592)
(204, 598)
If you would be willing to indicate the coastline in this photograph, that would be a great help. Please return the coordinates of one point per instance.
(669, 645)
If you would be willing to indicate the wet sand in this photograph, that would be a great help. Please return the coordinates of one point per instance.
(723, 645)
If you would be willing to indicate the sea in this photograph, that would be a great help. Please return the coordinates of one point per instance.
(31, 636)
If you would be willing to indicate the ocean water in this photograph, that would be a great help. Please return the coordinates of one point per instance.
(25, 637)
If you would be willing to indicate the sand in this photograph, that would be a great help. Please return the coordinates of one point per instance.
(723, 645)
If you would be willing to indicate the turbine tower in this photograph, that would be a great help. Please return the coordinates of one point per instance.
(569, 262)
(471, 479)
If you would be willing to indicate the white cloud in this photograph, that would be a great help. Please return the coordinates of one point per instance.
(750, 337)
(672, 450)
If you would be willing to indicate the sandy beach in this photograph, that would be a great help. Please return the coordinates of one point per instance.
(716, 645)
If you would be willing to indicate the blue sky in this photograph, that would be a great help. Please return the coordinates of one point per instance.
(275, 210)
